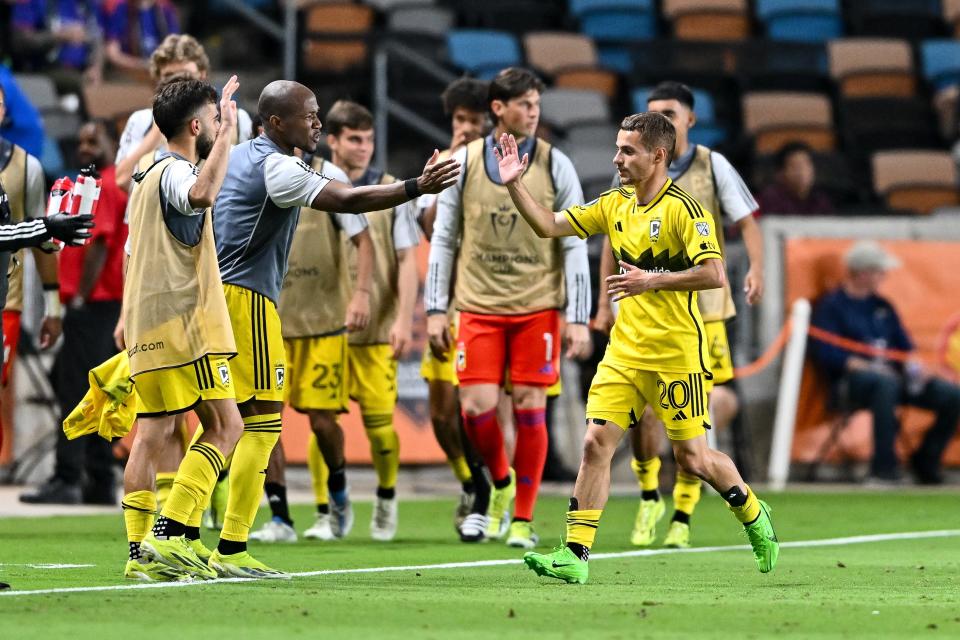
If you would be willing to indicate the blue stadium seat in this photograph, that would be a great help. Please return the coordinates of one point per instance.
(619, 24)
(801, 20)
(941, 62)
(580, 7)
(483, 52)
(703, 105)
(616, 58)
(712, 135)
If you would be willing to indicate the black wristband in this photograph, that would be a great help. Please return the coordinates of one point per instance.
(410, 186)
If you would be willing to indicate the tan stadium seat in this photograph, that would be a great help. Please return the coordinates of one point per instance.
(327, 46)
(716, 20)
(774, 118)
(602, 80)
(551, 52)
(868, 67)
(920, 180)
(951, 13)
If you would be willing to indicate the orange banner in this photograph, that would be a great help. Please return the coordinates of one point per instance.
(924, 292)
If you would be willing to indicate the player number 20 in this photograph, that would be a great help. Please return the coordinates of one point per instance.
(678, 393)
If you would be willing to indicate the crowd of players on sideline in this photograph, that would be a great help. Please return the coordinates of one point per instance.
(363, 332)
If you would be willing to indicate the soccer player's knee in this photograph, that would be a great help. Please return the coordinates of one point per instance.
(595, 450)
(692, 462)
(725, 401)
(649, 420)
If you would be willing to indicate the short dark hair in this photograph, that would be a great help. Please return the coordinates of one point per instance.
(345, 114)
(466, 93)
(511, 83)
(178, 102)
(655, 130)
(787, 150)
(671, 90)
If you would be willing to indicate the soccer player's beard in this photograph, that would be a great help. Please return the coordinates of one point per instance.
(205, 144)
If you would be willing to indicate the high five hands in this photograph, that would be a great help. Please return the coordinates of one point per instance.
(437, 176)
(509, 161)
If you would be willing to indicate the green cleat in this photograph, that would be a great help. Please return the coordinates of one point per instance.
(678, 536)
(562, 564)
(200, 549)
(499, 510)
(763, 539)
(243, 565)
(645, 526)
(177, 554)
(522, 535)
(149, 571)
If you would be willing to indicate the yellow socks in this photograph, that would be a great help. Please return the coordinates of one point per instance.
(139, 508)
(582, 526)
(745, 508)
(460, 469)
(194, 482)
(250, 459)
(686, 493)
(319, 471)
(647, 472)
(384, 448)
(164, 483)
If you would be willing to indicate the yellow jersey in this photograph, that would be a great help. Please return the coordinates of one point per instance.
(658, 330)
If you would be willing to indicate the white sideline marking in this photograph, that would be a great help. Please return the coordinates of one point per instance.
(45, 565)
(826, 542)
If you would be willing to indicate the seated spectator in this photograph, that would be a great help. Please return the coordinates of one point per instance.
(857, 311)
(792, 191)
(134, 28)
(60, 37)
(21, 123)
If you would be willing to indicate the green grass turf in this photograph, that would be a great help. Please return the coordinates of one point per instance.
(904, 588)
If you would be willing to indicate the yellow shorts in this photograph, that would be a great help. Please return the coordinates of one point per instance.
(259, 369)
(432, 369)
(178, 389)
(721, 363)
(620, 395)
(372, 374)
(317, 373)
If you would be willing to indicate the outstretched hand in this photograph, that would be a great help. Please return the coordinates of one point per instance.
(437, 176)
(228, 108)
(509, 161)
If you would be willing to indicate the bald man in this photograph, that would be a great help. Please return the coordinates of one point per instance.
(255, 216)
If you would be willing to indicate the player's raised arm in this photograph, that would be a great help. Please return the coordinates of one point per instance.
(436, 176)
(205, 189)
(546, 223)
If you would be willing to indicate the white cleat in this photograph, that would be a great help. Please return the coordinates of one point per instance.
(275, 530)
(383, 524)
(322, 529)
(474, 528)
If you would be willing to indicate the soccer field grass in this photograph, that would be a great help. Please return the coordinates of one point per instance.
(907, 586)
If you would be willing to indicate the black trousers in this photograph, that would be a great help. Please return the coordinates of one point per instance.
(87, 342)
(881, 393)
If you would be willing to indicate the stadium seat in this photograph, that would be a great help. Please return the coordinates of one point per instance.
(565, 107)
(768, 65)
(483, 52)
(551, 52)
(592, 134)
(874, 124)
(941, 62)
(913, 19)
(615, 20)
(515, 16)
(39, 89)
(602, 80)
(917, 180)
(386, 6)
(421, 19)
(724, 20)
(335, 36)
(708, 131)
(951, 14)
(594, 164)
(116, 100)
(864, 67)
(774, 118)
(801, 20)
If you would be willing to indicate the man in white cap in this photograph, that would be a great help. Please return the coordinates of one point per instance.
(856, 311)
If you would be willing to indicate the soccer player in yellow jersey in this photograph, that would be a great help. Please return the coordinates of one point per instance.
(177, 328)
(667, 249)
(710, 178)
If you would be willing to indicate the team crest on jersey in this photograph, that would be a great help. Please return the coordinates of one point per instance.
(703, 228)
(654, 230)
(280, 375)
(461, 356)
(224, 372)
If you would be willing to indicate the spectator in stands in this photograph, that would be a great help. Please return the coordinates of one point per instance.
(793, 190)
(133, 29)
(61, 38)
(21, 123)
(856, 311)
(178, 55)
(91, 290)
